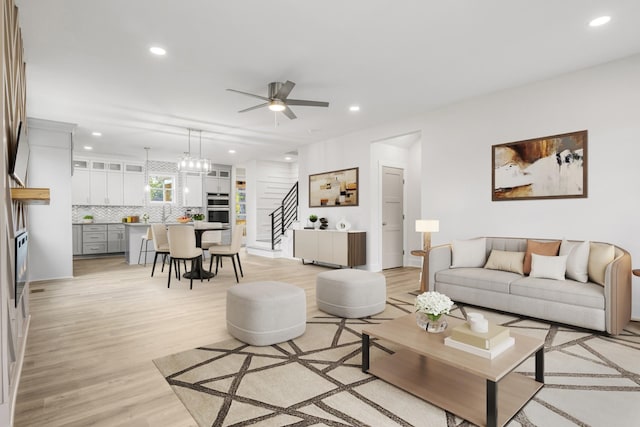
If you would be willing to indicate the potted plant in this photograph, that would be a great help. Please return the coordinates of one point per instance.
(313, 218)
(87, 219)
(198, 217)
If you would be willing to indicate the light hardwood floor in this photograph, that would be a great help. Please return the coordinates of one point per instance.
(92, 339)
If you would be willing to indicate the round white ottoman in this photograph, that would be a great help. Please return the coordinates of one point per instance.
(265, 313)
(351, 293)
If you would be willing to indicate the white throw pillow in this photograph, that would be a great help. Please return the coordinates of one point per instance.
(548, 267)
(506, 261)
(469, 253)
(577, 259)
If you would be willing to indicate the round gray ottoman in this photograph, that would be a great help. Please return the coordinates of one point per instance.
(351, 293)
(265, 313)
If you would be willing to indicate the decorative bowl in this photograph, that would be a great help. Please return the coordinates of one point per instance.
(183, 219)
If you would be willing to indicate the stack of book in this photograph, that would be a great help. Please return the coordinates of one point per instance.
(486, 344)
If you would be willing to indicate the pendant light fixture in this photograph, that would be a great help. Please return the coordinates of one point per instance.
(198, 164)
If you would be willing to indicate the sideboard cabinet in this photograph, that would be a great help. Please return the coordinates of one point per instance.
(344, 248)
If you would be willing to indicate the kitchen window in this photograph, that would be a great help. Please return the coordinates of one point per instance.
(162, 188)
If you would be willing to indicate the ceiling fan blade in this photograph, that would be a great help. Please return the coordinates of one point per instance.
(307, 103)
(249, 94)
(284, 90)
(254, 107)
(287, 112)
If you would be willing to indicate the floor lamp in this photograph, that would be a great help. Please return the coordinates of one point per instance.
(426, 227)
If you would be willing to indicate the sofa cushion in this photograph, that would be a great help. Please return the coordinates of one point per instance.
(563, 291)
(577, 259)
(600, 255)
(469, 253)
(548, 267)
(540, 248)
(480, 278)
(506, 261)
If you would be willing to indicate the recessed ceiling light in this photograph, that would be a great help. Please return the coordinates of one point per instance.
(354, 108)
(599, 21)
(232, 151)
(88, 147)
(287, 158)
(96, 133)
(157, 50)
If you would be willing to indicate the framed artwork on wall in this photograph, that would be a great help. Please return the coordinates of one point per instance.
(335, 188)
(551, 167)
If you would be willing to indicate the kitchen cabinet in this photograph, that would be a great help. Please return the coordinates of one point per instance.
(133, 189)
(77, 239)
(94, 239)
(115, 238)
(219, 180)
(347, 249)
(192, 190)
(106, 183)
(100, 238)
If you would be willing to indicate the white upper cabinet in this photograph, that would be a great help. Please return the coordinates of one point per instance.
(218, 180)
(192, 190)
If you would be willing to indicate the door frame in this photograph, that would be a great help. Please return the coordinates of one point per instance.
(396, 165)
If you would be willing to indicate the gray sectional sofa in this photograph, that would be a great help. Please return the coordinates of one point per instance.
(601, 307)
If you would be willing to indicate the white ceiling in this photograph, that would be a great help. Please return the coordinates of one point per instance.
(88, 63)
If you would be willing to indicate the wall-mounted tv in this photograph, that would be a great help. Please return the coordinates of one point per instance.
(18, 165)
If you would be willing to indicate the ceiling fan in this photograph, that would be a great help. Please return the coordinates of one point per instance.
(277, 99)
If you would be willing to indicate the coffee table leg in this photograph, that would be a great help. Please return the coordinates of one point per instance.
(540, 365)
(365, 352)
(492, 403)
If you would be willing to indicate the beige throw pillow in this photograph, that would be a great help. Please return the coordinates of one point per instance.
(506, 261)
(600, 255)
(540, 248)
(577, 259)
(469, 253)
(548, 267)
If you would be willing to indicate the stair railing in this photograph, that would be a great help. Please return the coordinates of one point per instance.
(284, 215)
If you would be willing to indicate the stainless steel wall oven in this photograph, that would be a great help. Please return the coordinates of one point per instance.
(218, 208)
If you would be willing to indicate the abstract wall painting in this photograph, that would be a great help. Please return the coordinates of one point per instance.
(551, 167)
(336, 188)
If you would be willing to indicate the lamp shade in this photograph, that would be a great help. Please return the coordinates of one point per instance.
(427, 225)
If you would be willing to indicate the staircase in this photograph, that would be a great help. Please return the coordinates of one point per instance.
(284, 216)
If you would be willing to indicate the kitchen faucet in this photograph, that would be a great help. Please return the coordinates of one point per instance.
(164, 215)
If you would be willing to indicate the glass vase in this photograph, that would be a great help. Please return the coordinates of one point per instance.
(431, 323)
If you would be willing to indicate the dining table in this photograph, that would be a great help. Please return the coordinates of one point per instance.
(199, 228)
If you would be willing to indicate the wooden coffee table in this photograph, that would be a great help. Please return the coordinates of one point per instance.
(482, 391)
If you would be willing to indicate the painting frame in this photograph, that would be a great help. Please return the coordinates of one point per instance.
(339, 188)
(549, 167)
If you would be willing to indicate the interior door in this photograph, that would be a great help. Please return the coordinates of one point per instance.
(392, 217)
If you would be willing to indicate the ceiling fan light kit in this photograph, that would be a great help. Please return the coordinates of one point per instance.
(277, 99)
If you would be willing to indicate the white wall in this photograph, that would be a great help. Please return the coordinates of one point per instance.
(50, 234)
(456, 161)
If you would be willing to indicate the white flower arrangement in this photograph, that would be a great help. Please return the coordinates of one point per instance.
(433, 304)
(145, 217)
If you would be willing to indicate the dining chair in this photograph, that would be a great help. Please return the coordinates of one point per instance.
(144, 243)
(182, 246)
(160, 244)
(211, 237)
(232, 251)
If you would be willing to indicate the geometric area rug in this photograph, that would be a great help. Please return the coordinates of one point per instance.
(591, 379)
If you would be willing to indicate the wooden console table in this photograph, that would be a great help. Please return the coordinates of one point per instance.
(344, 248)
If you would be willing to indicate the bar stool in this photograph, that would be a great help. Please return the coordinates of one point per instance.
(144, 242)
